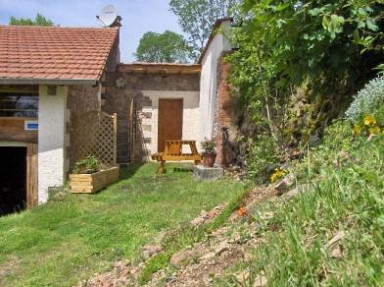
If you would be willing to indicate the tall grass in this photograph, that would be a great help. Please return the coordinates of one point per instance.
(347, 197)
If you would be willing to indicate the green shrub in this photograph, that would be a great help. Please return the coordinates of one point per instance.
(346, 198)
(367, 101)
(208, 146)
(89, 165)
(338, 135)
(379, 115)
(262, 160)
(337, 142)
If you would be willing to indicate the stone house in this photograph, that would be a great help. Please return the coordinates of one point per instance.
(50, 76)
(170, 101)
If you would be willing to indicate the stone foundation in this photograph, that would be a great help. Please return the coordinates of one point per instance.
(207, 173)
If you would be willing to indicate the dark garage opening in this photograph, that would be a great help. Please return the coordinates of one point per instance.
(13, 173)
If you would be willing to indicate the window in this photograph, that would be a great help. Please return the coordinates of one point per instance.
(23, 105)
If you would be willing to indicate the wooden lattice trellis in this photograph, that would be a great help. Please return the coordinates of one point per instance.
(94, 133)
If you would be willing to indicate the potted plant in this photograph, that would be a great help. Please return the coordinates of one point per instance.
(89, 175)
(209, 152)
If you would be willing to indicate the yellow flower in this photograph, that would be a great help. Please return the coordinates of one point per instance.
(369, 120)
(356, 130)
(278, 174)
(374, 130)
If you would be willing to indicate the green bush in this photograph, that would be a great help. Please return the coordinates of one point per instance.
(337, 141)
(208, 146)
(89, 165)
(262, 160)
(379, 115)
(367, 101)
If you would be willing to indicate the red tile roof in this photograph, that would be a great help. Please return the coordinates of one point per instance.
(162, 68)
(50, 54)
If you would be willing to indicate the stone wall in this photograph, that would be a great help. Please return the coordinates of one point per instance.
(225, 128)
(82, 99)
(126, 90)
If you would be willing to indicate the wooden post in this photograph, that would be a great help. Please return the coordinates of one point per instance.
(32, 191)
(131, 130)
(115, 138)
(161, 169)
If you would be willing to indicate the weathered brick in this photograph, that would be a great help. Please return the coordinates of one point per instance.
(224, 119)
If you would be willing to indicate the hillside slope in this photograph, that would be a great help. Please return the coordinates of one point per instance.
(322, 227)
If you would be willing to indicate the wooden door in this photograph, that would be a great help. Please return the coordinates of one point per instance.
(32, 193)
(170, 121)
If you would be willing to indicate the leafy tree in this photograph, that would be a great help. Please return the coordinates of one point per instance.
(39, 20)
(300, 62)
(167, 47)
(197, 17)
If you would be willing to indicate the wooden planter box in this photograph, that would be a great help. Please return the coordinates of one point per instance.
(90, 183)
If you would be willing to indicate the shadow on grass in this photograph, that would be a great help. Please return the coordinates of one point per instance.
(179, 167)
(174, 167)
(129, 171)
(182, 169)
(145, 173)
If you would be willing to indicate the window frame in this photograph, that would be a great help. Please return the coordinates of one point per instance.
(30, 102)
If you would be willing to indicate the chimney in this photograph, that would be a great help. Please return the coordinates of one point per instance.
(117, 22)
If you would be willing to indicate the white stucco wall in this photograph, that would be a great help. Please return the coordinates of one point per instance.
(53, 115)
(191, 115)
(208, 80)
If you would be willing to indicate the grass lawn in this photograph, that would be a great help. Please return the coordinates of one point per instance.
(65, 241)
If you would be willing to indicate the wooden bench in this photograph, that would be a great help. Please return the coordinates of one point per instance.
(173, 151)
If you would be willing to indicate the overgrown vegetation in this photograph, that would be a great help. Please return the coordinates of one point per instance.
(297, 67)
(344, 201)
(68, 240)
(366, 102)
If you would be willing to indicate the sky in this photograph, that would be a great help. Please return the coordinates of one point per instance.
(139, 16)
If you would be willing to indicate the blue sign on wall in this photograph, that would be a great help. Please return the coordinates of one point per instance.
(31, 125)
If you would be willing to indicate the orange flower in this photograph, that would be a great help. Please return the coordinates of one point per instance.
(242, 211)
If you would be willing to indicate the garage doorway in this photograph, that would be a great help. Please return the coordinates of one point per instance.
(13, 183)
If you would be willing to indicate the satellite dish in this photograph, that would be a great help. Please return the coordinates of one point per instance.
(108, 16)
